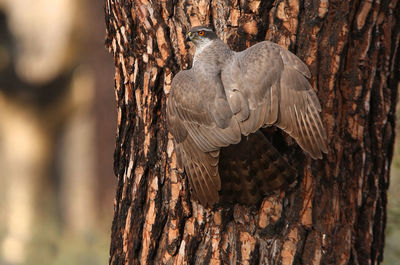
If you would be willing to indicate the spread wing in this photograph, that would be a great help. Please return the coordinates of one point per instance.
(266, 85)
(201, 121)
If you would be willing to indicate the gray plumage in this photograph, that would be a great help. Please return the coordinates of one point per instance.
(228, 94)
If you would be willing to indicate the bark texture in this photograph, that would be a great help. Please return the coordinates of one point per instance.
(336, 214)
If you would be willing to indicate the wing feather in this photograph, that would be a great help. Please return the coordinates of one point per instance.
(309, 132)
(201, 123)
(289, 58)
(266, 72)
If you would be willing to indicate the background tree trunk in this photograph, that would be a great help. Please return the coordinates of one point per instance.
(337, 212)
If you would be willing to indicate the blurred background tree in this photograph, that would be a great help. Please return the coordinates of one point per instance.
(57, 126)
(392, 247)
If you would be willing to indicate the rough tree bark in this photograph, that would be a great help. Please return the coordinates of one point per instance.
(337, 212)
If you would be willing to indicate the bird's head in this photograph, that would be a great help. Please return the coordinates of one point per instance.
(200, 35)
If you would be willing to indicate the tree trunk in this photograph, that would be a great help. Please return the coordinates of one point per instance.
(336, 214)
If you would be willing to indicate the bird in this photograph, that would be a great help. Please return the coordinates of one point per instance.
(216, 109)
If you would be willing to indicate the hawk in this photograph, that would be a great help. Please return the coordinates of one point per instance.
(215, 111)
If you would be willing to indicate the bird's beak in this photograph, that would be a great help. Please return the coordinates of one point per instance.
(188, 38)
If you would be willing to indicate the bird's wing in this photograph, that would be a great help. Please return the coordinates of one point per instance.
(200, 119)
(266, 85)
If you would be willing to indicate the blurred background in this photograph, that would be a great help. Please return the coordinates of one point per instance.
(57, 135)
(392, 246)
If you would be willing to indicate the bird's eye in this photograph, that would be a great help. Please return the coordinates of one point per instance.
(201, 33)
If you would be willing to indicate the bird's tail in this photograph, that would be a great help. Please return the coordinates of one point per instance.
(251, 169)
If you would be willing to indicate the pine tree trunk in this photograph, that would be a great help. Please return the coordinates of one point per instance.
(337, 212)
